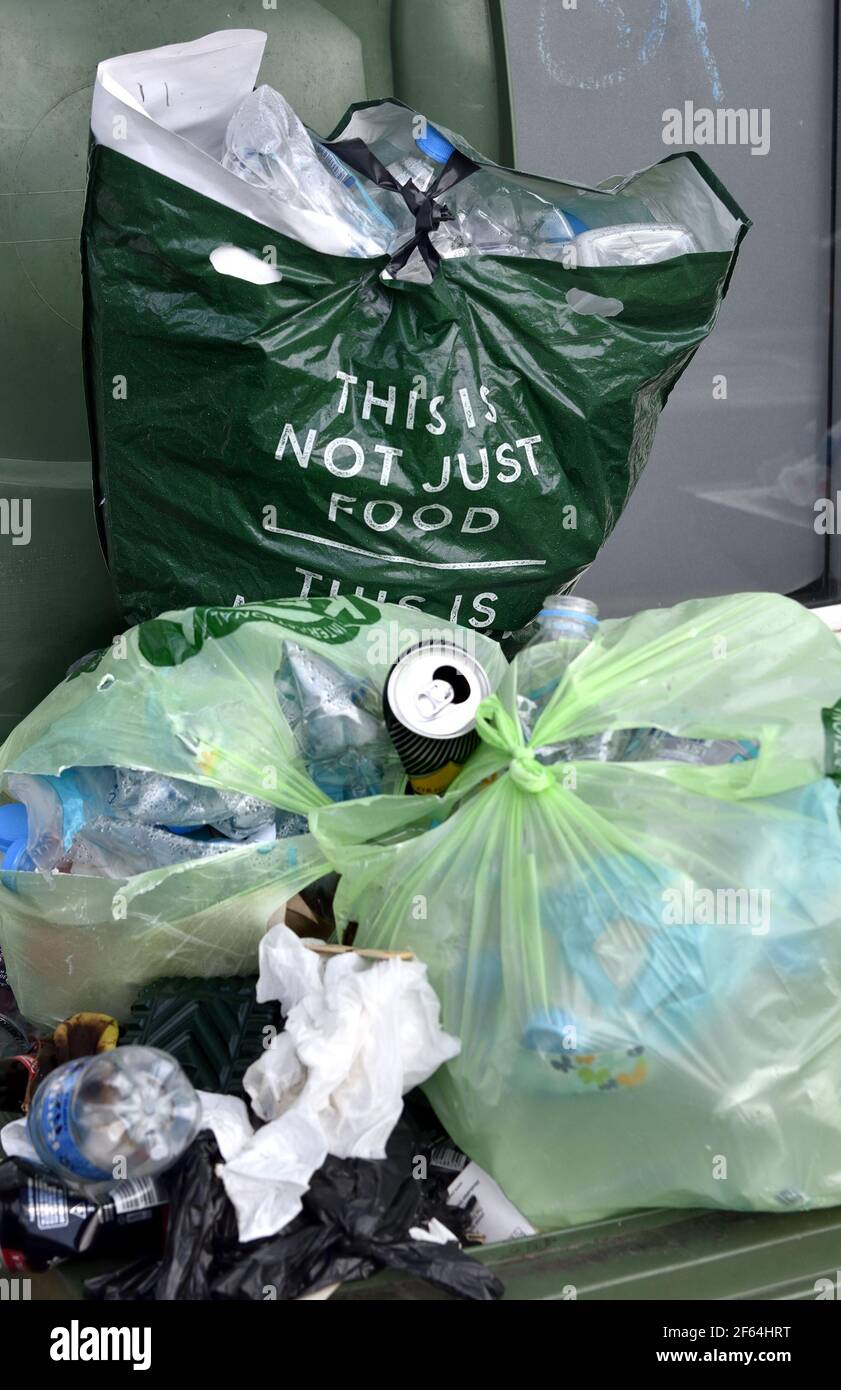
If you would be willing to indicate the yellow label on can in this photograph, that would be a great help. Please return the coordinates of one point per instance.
(434, 782)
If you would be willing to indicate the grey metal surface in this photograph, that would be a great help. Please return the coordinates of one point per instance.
(727, 501)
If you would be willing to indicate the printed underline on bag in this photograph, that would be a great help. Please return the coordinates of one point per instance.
(403, 559)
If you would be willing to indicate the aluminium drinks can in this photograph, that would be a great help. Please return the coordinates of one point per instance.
(430, 700)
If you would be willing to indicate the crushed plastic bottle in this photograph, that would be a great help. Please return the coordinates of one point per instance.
(152, 799)
(110, 848)
(267, 145)
(490, 216)
(656, 745)
(127, 1113)
(77, 818)
(338, 726)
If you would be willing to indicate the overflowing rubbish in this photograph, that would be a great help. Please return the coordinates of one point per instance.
(358, 1216)
(268, 146)
(128, 1113)
(167, 782)
(385, 457)
(358, 1035)
(638, 932)
(588, 901)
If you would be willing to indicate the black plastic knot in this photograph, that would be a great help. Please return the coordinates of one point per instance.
(428, 213)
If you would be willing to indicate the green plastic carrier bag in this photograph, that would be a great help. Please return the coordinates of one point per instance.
(642, 960)
(192, 695)
(460, 431)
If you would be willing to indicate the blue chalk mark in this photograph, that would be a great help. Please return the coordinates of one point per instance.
(702, 35)
(643, 50)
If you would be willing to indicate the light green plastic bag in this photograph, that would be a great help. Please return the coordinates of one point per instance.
(191, 695)
(643, 962)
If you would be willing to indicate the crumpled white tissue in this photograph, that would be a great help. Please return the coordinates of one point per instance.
(227, 1117)
(358, 1035)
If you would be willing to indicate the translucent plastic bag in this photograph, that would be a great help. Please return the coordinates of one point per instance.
(199, 695)
(642, 961)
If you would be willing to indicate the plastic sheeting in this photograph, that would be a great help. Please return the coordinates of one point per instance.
(643, 961)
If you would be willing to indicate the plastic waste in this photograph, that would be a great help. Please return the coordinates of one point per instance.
(656, 745)
(421, 163)
(634, 947)
(521, 319)
(43, 1222)
(55, 810)
(358, 1035)
(358, 1216)
(193, 700)
(565, 627)
(643, 243)
(119, 849)
(267, 145)
(78, 818)
(127, 1113)
(13, 825)
(337, 721)
(498, 219)
(490, 216)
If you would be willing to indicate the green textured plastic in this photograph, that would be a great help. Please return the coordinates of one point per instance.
(214, 1028)
(58, 596)
(630, 1038)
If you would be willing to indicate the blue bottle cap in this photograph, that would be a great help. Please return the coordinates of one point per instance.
(575, 222)
(435, 145)
(13, 823)
(16, 857)
(573, 613)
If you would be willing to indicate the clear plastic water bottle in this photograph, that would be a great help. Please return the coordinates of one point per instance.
(422, 163)
(337, 722)
(566, 625)
(128, 1113)
(348, 179)
(657, 746)
(268, 146)
(419, 164)
(485, 220)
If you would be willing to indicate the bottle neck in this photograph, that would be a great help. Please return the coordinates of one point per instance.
(566, 622)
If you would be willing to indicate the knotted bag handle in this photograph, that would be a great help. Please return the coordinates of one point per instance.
(427, 213)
